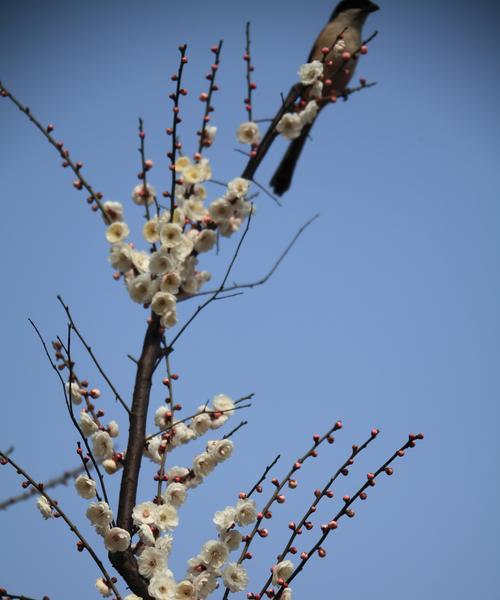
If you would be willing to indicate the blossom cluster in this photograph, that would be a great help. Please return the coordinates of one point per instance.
(177, 237)
(178, 433)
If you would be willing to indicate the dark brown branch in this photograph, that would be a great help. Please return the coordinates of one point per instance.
(144, 177)
(55, 506)
(124, 562)
(81, 182)
(92, 355)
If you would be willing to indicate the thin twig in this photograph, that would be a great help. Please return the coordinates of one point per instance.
(208, 99)
(348, 501)
(55, 506)
(233, 431)
(218, 291)
(263, 477)
(69, 406)
(51, 483)
(64, 153)
(92, 355)
(239, 286)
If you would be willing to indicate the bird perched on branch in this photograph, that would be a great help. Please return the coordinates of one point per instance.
(337, 47)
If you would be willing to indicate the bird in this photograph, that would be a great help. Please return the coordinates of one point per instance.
(347, 21)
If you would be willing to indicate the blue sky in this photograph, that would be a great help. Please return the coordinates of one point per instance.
(384, 314)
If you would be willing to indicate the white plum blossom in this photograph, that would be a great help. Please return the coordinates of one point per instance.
(246, 511)
(205, 583)
(161, 417)
(85, 487)
(99, 514)
(181, 434)
(225, 519)
(113, 429)
(120, 256)
(113, 211)
(309, 113)
(238, 187)
(220, 210)
(74, 392)
(210, 132)
(205, 241)
(201, 423)
(111, 466)
(311, 72)
(235, 577)
(161, 262)
(170, 235)
(102, 444)
(150, 231)
(183, 249)
(223, 403)
(182, 162)
(102, 587)
(214, 554)
(163, 302)
(117, 540)
(166, 517)
(185, 590)
(170, 282)
(141, 288)
(151, 562)
(143, 194)
(290, 126)
(146, 534)
(164, 544)
(132, 597)
(248, 133)
(221, 450)
(193, 174)
(175, 494)
(204, 464)
(162, 587)
(282, 570)
(44, 507)
(232, 539)
(145, 513)
(117, 232)
(140, 261)
(87, 424)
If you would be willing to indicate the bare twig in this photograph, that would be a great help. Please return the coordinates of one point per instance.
(81, 182)
(346, 510)
(233, 431)
(69, 406)
(279, 485)
(207, 98)
(143, 175)
(55, 506)
(218, 291)
(257, 486)
(51, 483)
(239, 286)
(92, 355)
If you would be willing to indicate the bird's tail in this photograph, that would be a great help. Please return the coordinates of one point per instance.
(282, 178)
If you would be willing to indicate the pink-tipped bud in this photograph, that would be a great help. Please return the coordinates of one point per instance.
(325, 50)
(363, 50)
(346, 55)
(304, 555)
(321, 552)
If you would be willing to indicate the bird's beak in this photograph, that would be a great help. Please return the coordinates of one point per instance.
(373, 7)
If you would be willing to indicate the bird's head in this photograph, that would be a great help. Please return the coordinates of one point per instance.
(362, 7)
